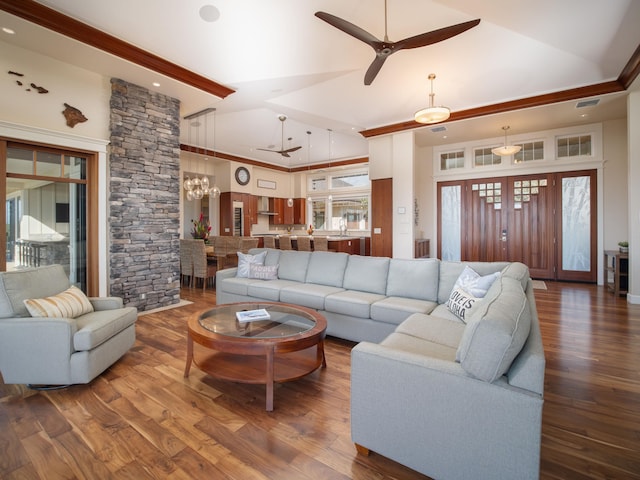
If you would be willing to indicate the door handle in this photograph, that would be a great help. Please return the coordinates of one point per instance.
(503, 237)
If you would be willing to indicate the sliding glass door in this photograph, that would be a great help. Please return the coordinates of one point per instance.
(47, 210)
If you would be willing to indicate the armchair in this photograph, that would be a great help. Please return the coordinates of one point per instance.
(58, 351)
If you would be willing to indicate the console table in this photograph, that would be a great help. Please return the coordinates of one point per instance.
(616, 271)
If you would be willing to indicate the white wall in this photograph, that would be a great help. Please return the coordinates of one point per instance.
(633, 107)
(79, 88)
(615, 221)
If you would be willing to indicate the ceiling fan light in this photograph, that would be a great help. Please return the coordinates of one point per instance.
(432, 115)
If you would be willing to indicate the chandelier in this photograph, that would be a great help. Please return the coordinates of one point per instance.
(198, 187)
(432, 114)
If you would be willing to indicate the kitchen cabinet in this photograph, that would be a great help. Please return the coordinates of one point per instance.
(283, 213)
(300, 211)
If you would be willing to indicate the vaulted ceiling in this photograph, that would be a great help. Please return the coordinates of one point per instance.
(524, 65)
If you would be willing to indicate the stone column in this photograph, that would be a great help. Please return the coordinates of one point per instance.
(144, 197)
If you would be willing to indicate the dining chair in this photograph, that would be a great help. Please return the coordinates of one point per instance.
(186, 262)
(203, 268)
(285, 242)
(304, 243)
(320, 244)
(269, 242)
(247, 243)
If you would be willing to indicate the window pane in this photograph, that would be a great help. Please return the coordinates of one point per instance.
(318, 214)
(318, 184)
(452, 160)
(46, 225)
(351, 212)
(579, 146)
(20, 161)
(348, 181)
(451, 228)
(484, 156)
(48, 164)
(75, 167)
(576, 224)
(530, 151)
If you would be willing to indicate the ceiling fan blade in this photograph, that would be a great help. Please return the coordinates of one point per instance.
(348, 28)
(292, 149)
(435, 36)
(267, 150)
(374, 68)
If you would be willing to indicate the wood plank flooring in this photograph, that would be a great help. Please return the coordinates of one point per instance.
(142, 420)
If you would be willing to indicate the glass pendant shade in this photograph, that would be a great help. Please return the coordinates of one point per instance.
(205, 183)
(432, 115)
(189, 195)
(188, 184)
(506, 149)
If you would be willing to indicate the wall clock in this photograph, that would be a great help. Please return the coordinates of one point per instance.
(242, 175)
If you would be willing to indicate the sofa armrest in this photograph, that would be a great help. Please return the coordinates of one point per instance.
(106, 303)
(29, 346)
(226, 273)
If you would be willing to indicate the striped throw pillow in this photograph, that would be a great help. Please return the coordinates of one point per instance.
(68, 304)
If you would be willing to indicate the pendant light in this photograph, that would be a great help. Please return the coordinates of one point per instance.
(214, 191)
(290, 199)
(506, 149)
(330, 198)
(309, 199)
(432, 114)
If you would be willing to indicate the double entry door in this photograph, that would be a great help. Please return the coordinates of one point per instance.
(546, 221)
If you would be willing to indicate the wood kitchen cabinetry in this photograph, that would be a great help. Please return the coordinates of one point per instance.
(284, 214)
(249, 210)
(299, 211)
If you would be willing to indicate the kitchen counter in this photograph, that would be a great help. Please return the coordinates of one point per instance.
(356, 245)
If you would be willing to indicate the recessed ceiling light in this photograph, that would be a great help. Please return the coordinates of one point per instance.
(8, 30)
(209, 13)
(155, 84)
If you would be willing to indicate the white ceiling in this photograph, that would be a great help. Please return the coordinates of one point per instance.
(281, 59)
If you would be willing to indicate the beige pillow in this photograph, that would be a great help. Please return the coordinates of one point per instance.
(68, 304)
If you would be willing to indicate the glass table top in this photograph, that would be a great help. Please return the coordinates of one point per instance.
(285, 321)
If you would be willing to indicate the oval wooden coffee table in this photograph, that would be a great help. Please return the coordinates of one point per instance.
(286, 347)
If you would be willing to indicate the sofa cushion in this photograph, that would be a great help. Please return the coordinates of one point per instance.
(96, 328)
(268, 290)
(434, 329)
(396, 309)
(327, 268)
(352, 303)
(366, 274)
(496, 331)
(473, 283)
(263, 272)
(246, 259)
(462, 304)
(308, 294)
(68, 304)
(450, 271)
(413, 278)
(293, 265)
(19, 285)
(443, 311)
(236, 285)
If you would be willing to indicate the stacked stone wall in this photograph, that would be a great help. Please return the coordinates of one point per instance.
(144, 197)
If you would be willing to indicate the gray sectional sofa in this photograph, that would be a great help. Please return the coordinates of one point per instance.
(450, 399)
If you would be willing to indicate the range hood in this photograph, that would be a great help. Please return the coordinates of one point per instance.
(263, 206)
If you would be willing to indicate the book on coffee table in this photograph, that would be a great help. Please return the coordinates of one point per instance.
(252, 315)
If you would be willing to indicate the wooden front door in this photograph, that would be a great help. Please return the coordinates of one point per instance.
(524, 218)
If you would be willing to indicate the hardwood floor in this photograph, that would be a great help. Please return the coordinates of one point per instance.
(142, 419)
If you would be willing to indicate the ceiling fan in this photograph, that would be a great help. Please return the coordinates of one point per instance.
(283, 151)
(385, 48)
